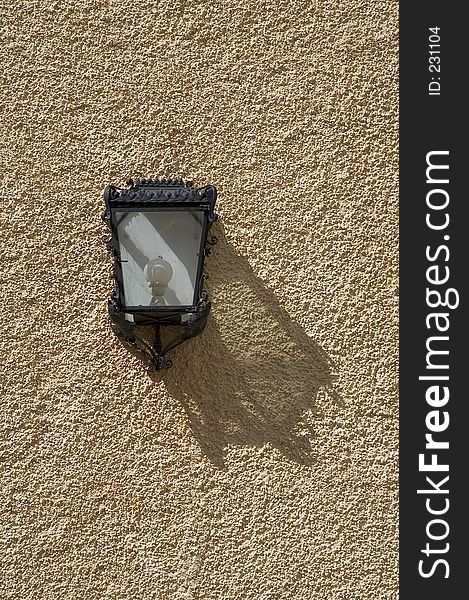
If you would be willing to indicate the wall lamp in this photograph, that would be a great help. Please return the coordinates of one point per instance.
(159, 241)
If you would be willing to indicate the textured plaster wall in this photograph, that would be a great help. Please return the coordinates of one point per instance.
(264, 464)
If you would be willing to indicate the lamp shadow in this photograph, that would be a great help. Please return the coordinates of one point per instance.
(253, 376)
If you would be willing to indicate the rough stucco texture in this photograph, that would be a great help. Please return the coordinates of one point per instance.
(264, 464)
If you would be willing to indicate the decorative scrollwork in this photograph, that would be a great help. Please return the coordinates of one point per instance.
(108, 243)
(211, 242)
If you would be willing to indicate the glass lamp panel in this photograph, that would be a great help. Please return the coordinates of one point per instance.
(159, 253)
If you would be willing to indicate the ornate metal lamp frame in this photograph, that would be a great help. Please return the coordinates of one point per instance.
(131, 324)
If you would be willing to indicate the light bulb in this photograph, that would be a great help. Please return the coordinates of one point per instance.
(158, 272)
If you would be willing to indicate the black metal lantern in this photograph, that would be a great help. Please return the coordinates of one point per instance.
(159, 241)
